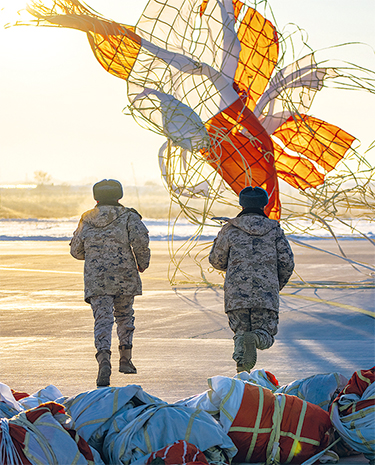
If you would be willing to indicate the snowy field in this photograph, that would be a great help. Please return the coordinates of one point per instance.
(62, 229)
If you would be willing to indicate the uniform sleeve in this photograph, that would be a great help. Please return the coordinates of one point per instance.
(220, 251)
(285, 259)
(139, 240)
(77, 249)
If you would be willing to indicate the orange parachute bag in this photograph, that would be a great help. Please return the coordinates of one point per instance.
(181, 452)
(277, 427)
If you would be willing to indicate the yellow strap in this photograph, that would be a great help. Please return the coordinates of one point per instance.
(257, 425)
(273, 447)
(223, 402)
(297, 438)
(190, 425)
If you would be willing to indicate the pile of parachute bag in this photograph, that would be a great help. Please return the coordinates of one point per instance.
(246, 419)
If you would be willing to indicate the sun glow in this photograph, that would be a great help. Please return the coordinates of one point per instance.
(12, 11)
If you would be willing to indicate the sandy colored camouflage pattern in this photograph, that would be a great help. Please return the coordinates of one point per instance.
(113, 241)
(261, 321)
(258, 261)
(107, 310)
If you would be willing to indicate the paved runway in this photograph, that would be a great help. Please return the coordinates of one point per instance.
(182, 336)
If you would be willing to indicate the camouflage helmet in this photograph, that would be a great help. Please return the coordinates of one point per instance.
(107, 189)
(253, 197)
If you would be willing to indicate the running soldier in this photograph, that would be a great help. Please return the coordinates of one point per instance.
(113, 241)
(258, 261)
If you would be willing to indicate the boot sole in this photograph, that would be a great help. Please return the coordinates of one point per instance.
(126, 366)
(250, 351)
(128, 371)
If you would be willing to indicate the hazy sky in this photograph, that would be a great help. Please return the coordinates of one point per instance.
(61, 113)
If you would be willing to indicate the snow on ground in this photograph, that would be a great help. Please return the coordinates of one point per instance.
(63, 228)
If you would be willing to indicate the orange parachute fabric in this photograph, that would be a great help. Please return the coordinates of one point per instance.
(117, 51)
(357, 384)
(295, 170)
(115, 45)
(243, 153)
(321, 142)
(258, 56)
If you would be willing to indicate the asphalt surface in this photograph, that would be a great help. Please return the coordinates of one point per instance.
(182, 336)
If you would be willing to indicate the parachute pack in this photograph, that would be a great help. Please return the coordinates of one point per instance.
(245, 419)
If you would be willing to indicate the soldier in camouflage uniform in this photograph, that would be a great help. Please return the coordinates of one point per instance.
(258, 261)
(113, 241)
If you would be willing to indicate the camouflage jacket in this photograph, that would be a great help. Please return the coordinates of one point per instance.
(258, 261)
(113, 241)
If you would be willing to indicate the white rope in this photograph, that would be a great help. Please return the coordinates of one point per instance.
(8, 451)
(315, 457)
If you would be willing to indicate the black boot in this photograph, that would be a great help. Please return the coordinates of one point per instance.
(250, 344)
(104, 359)
(126, 364)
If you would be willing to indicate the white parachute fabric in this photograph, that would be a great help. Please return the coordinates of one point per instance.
(48, 394)
(178, 82)
(186, 174)
(48, 438)
(9, 406)
(126, 425)
(358, 427)
(139, 432)
(206, 35)
(260, 378)
(6, 411)
(7, 397)
(179, 122)
(298, 81)
(320, 389)
(217, 401)
(93, 412)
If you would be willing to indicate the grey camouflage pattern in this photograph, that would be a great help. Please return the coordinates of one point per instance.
(258, 261)
(113, 241)
(107, 310)
(263, 322)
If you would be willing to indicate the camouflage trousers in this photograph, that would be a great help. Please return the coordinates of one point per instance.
(108, 309)
(260, 320)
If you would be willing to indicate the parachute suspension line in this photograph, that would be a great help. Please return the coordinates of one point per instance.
(191, 182)
(8, 451)
(331, 181)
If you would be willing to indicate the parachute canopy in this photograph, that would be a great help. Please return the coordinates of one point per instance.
(204, 74)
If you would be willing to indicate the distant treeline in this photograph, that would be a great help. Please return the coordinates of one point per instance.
(152, 201)
(65, 201)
